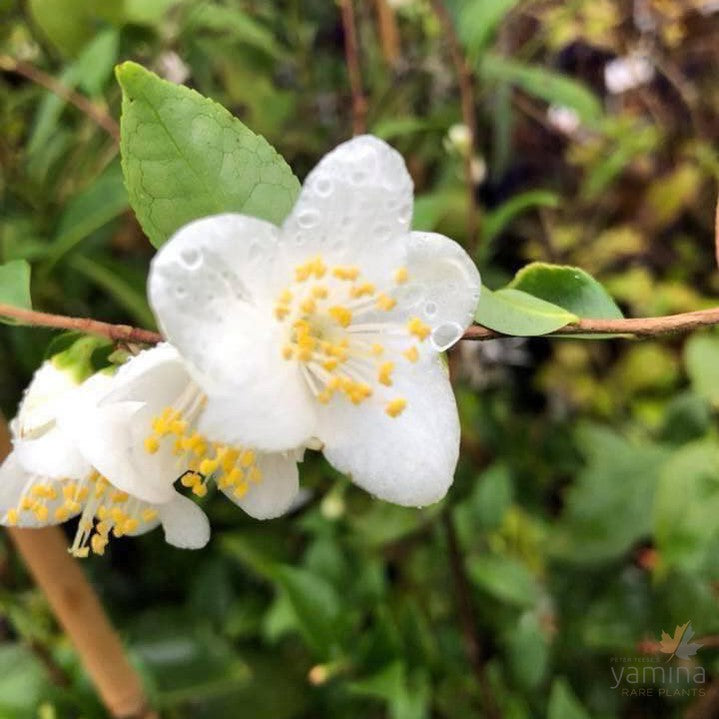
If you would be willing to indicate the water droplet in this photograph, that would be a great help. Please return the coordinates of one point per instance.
(180, 291)
(358, 176)
(324, 186)
(191, 258)
(255, 252)
(308, 219)
(410, 295)
(430, 309)
(444, 336)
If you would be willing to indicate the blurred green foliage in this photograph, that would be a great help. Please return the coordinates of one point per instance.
(583, 520)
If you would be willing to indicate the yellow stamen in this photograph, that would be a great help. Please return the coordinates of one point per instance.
(385, 302)
(395, 407)
(418, 328)
(151, 444)
(385, 373)
(346, 273)
(412, 354)
(401, 275)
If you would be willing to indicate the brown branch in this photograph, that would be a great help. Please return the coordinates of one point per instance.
(89, 108)
(469, 117)
(388, 34)
(79, 612)
(467, 619)
(116, 333)
(638, 327)
(359, 103)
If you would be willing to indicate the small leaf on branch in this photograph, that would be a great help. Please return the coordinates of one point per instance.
(185, 157)
(568, 287)
(514, 312)
(15, 286)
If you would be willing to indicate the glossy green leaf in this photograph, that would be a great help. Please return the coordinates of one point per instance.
(568, 287)
(477, 21)
(545, 84)
(504, 578)
(514, 312)
(701, 357)
(15, 286)
(184, 157)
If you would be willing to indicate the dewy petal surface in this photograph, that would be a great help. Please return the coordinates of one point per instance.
(408, 459)
(52, 455)
(353, 207)
(274, 494)
(185, 524)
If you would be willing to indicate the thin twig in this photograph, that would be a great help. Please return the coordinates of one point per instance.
(388, 34)
(89, 108)
(354, 70)
(636, 327)
(469, 117)
(116, 333)
(468, 622)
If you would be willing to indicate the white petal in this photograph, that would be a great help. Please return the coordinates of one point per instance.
(409, 459)
(53, 455)
(274, 495)
(442, 290)
(185, 524)
(13, 480)
(353, 206)
(46, 392)
(156, 376)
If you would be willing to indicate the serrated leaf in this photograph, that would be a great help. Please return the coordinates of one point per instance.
(568, 287)
(15, 286)
(514, 312)
(545, 84)
(184, 157)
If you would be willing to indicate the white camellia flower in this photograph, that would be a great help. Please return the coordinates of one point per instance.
(327, 331)
(49, 477)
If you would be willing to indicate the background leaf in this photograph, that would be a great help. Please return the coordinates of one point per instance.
(15, 285)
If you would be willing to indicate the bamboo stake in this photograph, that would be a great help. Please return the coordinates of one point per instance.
(80, 614)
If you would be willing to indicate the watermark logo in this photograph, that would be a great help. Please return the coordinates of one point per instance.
(653, 675)
(680, 645)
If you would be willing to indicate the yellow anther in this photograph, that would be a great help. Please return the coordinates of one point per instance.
(103, 528)
(178, 447)
(385, 302)
(152, 444)
(285, 297)
(85, 525)
(255, 475)
(178, 427)
(224, 482)
(62, 514)
(319, 268)
(281, 311)
(130, 525)
(72, 505)
(26, 504)
(81, 496)
(208, 466)
(401, 275)
(68, 491)
(377, 349)
(319, 292)
(346, 273)
(324, 396)
(395, 407)
(247, 458)
(80, 552)
(41, 512)
(308, 306)
(330, 364)
(240, 491)
(418, 328)
(148, 515)
(412, 354)
(365, 289)
(235, 476)
(98, 544)
(341, 315)
(188, 479)
(287, 352)
(334, 384)
(101, 512)
(12, 517)
(385, 373)
(117, 515)
(119, 497)
(200, 490)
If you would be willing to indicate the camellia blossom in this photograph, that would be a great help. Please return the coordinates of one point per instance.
(327, 331)
(48, 478)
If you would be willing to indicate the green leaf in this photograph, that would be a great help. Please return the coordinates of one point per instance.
(22, 682)
(184, 157)
(504, 578)
(514, 312)
(478, 20)
(563, 704)
(701, 356)
(568, 287)
(316, 605)
(545, 84)
(407, 698)
(15, 286)
(78, 357)
(607, 508)
(495, 221)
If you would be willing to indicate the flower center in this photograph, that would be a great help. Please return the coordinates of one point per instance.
(334, 332)
(234, 468)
